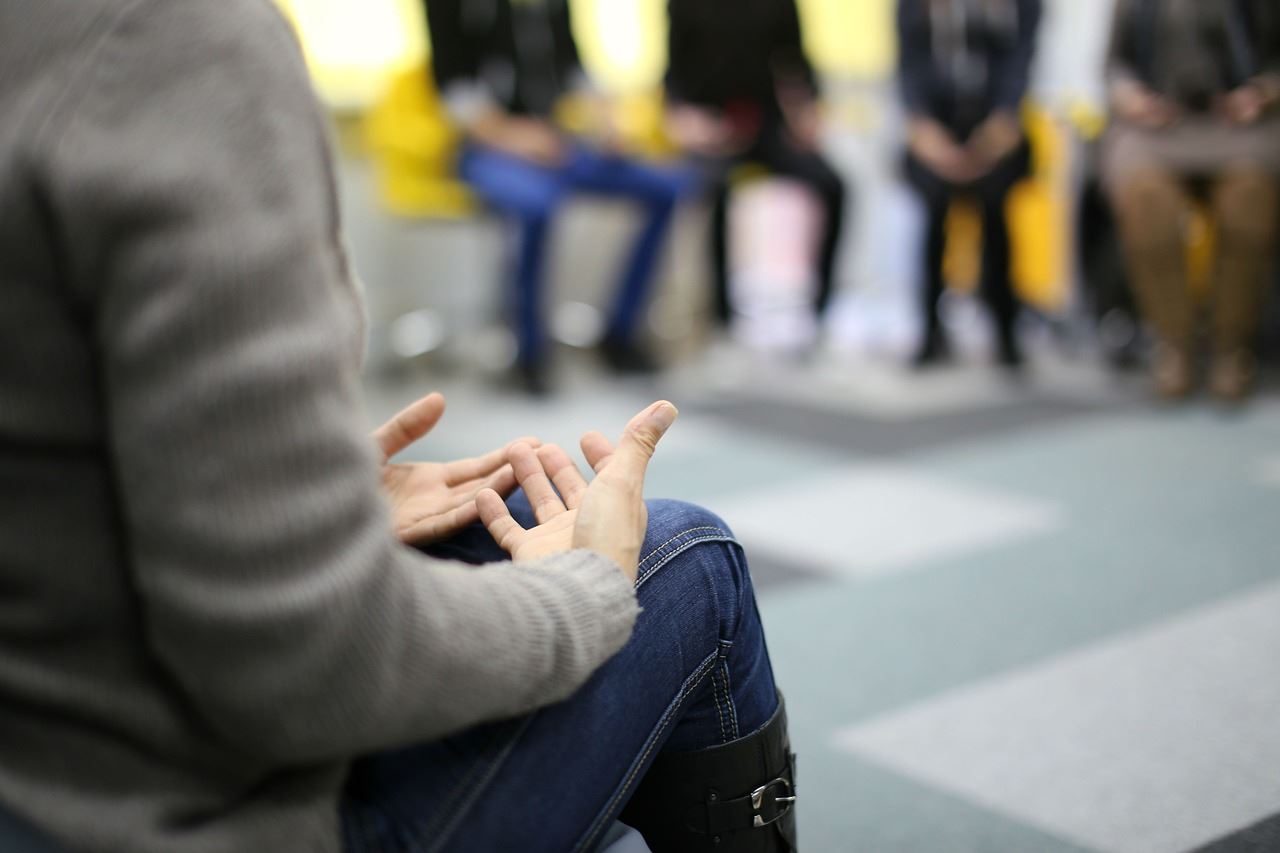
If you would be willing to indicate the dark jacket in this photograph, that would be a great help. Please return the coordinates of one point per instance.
(724, 54)
(1191, 51)
(519, 55)
(961, 78)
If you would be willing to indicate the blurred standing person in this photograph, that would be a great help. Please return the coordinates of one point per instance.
(1193, 89)
(740, 88)
(964, 68)
(502, 66)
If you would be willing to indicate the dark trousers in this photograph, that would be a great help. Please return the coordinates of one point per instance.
(990, 192)
(776, 151)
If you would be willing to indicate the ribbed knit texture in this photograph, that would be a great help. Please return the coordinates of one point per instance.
(203, 612)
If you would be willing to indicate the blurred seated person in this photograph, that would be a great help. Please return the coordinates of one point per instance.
(502, 66)
(964, 67)
(1194, 88)
(228, 620)
(740, 89)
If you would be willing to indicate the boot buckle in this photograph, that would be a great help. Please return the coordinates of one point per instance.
(782, 804)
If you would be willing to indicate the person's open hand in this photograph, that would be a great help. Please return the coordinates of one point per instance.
(607, 515)
(433, 500)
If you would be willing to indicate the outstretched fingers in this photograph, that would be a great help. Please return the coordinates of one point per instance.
(564, 474)
(597, 449)
(477, 467)
(496, 517)
(409, 424)
(533, 479)
(436, 527)
(502, 481)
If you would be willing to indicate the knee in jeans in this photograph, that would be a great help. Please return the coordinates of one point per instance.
(674, 525)
(694, 548)
(671, 518)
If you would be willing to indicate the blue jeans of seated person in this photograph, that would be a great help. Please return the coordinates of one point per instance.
(531, 194)
(694, 674)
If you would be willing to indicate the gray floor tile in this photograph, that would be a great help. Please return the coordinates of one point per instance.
(1260, 837)
(1149, 743)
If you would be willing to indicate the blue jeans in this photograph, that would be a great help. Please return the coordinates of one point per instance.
(531, 194)
(694, 674)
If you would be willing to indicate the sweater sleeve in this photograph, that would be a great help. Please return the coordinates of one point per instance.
(191, 180)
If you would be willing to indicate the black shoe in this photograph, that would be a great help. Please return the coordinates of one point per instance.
(532, 377)
(624, 355)
(735, 798)
(934, 350)
(1008, 353)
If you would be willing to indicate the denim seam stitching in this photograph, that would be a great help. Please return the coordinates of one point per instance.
(685, 532)
(715, 695)
(728, 694)
(691, 683)
(657, 550)
(684, 546)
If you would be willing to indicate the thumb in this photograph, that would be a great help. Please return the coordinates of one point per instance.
(641, 436)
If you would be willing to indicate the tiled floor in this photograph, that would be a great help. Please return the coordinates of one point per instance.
(1033, 616)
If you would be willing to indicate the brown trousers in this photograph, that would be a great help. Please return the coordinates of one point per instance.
(1153, 208)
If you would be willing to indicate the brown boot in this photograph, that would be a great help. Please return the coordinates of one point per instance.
(1172, 376)
(1245, 206)
(1232, 375)
(1151, 208)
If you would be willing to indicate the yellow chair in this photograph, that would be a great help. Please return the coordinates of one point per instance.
(1037, 210)
(414, 144)
(414, 147)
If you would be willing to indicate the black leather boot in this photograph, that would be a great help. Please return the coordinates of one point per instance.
(738, 797)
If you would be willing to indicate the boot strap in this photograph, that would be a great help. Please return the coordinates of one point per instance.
(763, 806)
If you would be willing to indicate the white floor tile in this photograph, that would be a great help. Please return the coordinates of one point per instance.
(1269, 471)
(867, 520)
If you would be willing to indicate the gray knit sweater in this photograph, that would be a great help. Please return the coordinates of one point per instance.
(203, 611)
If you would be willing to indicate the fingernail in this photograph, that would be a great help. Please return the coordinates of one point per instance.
(664, 415)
